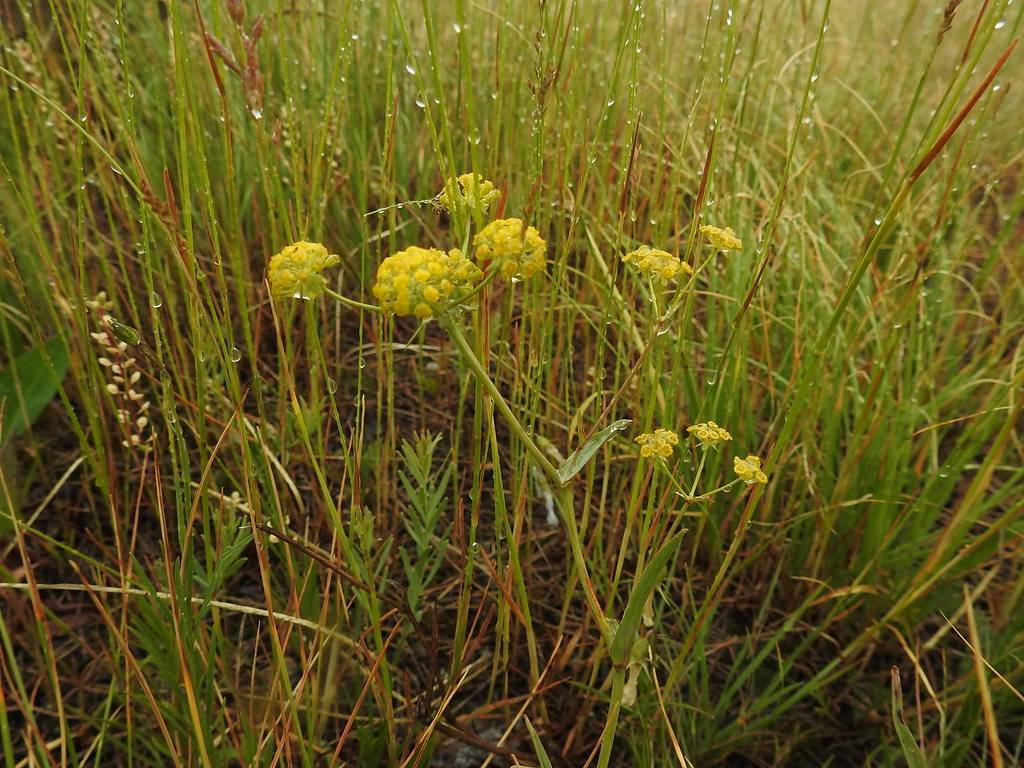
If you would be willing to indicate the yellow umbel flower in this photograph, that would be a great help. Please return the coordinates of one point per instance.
(660, 265)
(749, 470)
(722, 239)
(709, 434)
(424, 282)
(518, 250)
(472, 191)
(660, 442)
(295, 271)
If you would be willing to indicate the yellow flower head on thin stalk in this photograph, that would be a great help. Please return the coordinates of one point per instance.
(749, 470)
(424, 282)
(295, 271)
(659, 443)
(472, 191)
(709, 434)
(517, 250)
(722, 239)
(659, 265)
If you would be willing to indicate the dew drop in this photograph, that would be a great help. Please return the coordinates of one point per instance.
(257, 114)
(410, 69)
(156, 300)
(236, 354)
(332, 386)
(421, 103)
(1000, 24)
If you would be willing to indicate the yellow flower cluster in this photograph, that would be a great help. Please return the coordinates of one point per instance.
(709, 434)
(518, 250)
(472, 191)
(423, 281)
(295, 271)
(722, 239)
(660, 442)
(660, 265)
(749, 470)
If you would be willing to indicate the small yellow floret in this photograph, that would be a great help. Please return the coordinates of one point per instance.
(424, 282)
(472, 191)
(660, 442)
(709, 434)
(295, 271)
(659, 265)
(749, 470)
(722, 239)
(518, 250)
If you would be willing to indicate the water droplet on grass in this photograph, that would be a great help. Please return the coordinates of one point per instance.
(156, 300)
(410, 69)
(236, 354)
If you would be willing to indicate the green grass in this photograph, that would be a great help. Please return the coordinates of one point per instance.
(333, 544)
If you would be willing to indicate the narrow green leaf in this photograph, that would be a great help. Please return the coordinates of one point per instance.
(911, 751)
(29, 383)
(579, 458)
(538, 748)
(628, 628)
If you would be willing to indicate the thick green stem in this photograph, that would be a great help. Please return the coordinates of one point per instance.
(499, 401)
(611, 724)
(565, 499)
(572, 532)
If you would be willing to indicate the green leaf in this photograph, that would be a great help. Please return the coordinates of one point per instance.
(629, 627)
(579, 458)
(538, 747)
(29, 383)
(911, 751)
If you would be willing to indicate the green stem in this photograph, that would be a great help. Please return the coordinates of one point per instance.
(499, 400)
(352, 302)
(700, 471)
(565, 498)
(708, 494)
(614, 705)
